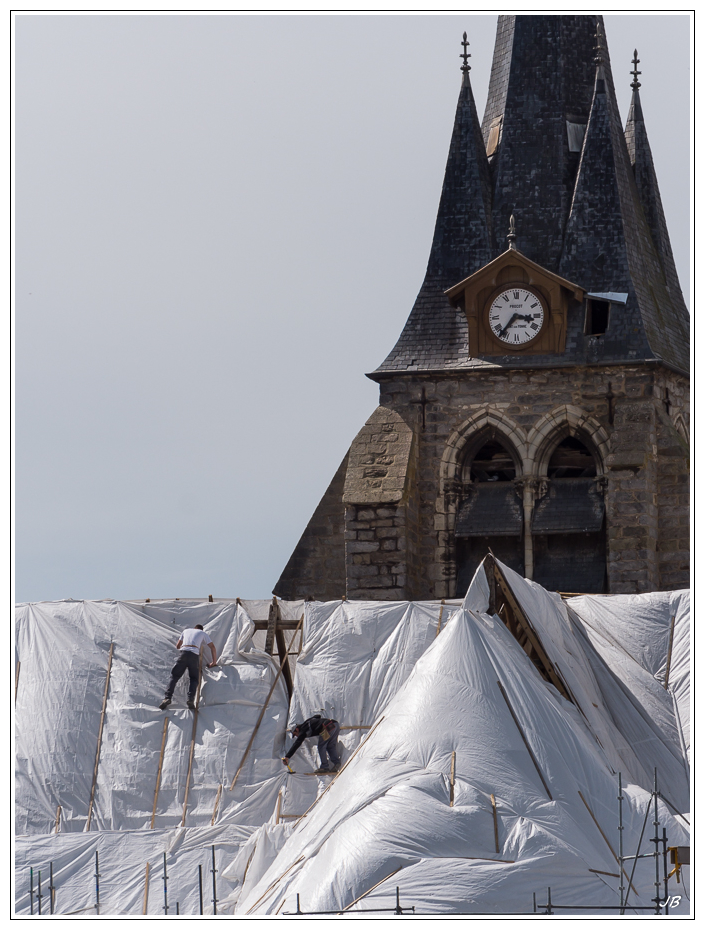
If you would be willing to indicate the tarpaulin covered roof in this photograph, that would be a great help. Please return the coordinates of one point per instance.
(438, 702)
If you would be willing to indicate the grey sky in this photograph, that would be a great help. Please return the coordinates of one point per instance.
(222, 223)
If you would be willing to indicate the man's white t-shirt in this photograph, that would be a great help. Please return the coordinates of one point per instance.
(191, 640)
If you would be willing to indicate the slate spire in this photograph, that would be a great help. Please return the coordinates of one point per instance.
(461, 239)
(645, 177)
(608, 247)
(541, 80)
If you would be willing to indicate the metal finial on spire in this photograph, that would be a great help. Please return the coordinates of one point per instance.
(512, 232)
(465, 54)
(635, 74)
(599, 44)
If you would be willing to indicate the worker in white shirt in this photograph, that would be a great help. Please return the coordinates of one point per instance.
(190, 645)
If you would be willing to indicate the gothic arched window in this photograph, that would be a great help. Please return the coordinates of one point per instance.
(568, 526)
(490, 515)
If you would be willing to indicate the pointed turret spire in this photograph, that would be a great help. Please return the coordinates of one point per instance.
(642, 165)
(607, 243)
(461, 240)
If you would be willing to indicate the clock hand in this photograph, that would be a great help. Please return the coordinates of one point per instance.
(514, 316)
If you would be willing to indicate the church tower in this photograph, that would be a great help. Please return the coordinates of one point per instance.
(536, 403)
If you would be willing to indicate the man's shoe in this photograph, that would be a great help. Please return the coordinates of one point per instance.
(336, 767)
(190, 705)
(165, 703)
(323, 772)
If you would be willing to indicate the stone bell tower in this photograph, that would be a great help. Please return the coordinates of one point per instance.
(536, 403)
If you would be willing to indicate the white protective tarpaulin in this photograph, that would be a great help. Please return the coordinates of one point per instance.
(419, 682)
(551, 765)
(64, 650)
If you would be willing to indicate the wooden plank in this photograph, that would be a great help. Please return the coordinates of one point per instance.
(193, 736)
(264, 708)
(526, 742)
(370, 890)
(17, 679)
(602, 834)
(494, 818)
(57, 824)
(440, 617)
(488, 567)
(668, 659)
(365, 727)
(279, 807)
(284, 660)
(146, 889)
(452, 778)
(281, 625)
(100, 738)
(217, 802)
(522, 620)
(275, 882)
(271, 626)
(159, 773)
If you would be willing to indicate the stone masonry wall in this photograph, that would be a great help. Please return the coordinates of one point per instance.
(528, 408)
(671, 394)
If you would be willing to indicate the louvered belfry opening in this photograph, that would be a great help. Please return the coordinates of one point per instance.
(568, 527)
(489, 498)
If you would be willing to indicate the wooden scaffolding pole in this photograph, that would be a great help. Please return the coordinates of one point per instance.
(494, 818)
(146, 889)
(100, 737)
(193, 736)
(668, 658)
(440, 620)
(452, 778)
(159, 773)
(526, 742)
(264, 708)
(17, 679)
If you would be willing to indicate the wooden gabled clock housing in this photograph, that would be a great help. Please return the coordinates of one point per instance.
(515, 307)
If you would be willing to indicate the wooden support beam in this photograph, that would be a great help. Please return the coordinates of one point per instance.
(100, 738)
(193, 737)
(494, 818)
(668, 659)
(17, 679)
(370, 890)
(284, 660)
(217, 802)
(488, 566)
(57, 823)
(523, 621)
(526, 742)
(146, 889)
(279, 807)
(602, 834)
(275, 882)
(440, 617)
(159, 773)
(452, 778)
(271, 626)
(264, 708)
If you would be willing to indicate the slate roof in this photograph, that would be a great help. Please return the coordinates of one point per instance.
(588, 216)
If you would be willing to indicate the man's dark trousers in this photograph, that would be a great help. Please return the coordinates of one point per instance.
(186, 661)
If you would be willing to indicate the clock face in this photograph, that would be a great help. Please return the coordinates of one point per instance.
(516, 316)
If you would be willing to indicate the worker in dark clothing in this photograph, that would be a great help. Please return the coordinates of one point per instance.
(327, 732)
